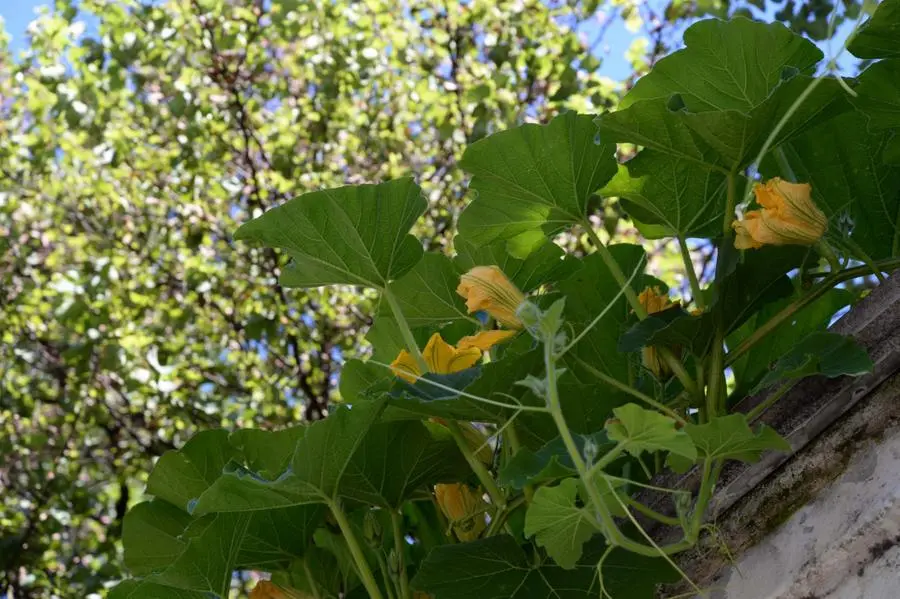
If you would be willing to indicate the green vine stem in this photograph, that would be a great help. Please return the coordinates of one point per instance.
(512, 436)
(478, 468)
(385, 573)
(313, 585)
(484, 477)
(613, 382)
(408, 337)
(362, 565)
(830, 280)
(770, 401)
(671, 361)
(691, 273)
(398, 548)
(607, 523)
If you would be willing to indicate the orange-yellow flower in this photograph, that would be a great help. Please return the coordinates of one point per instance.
(653, 300)
(265, 589)
(464, 507)
(487, 288)
(485, 340)
(440, 356)
(443, 358)
(788, 217)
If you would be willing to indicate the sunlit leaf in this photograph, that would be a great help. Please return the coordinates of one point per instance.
(354, 235)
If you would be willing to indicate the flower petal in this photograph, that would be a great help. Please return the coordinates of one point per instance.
(485, 340)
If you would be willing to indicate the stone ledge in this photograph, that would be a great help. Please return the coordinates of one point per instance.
(827, 423)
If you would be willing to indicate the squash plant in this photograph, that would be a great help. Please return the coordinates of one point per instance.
(518, 398)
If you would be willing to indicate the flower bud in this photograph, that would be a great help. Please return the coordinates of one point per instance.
(487, 288)
(463, 507)
(654, 300)
(372, 529)
(788, 217)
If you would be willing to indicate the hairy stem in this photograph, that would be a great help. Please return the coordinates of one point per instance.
(671, 361)
(484, 477)
(408, 337)
(398, 548)
(359, 558)
(691, 273)
(770, 401)
(607, 523)
(612, 382)
(313, 586)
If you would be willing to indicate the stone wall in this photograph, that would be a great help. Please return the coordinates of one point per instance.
(824, 521)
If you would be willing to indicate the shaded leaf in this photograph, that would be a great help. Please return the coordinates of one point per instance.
(497, 568)
(427, 293)
(878, 92)
(679, 197)
(823, 353)
(550, 462)
(877, 37)
(398, 458)
(751, 366)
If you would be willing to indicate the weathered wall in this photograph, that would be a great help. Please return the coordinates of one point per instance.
(844, 542)
(824, 521)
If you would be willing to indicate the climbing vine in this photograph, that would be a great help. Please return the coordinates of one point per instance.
(517, 398)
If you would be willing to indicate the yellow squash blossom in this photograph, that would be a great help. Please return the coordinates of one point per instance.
(440, 356)
(443, 358)
(265, 589)
(485, 340)
(788, 217)
(487, 288)
(653, 300)
(464, 507)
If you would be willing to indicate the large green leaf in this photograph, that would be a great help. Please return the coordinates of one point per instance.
(718, 69)
(427, 293)
(151, 536)
(877, 38)
(533, 181)
(202, 557)
(320, 460)
(497, 568)
(714, 102)
(842, 160)
(878, 96)
(141, 589)
(355, 235)
(640, 430)
(558, 524)
(730, 437)
(550, 462)
(680, 197)
(823, 353)
(397, 458)
(181, 476)
(589, 291)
